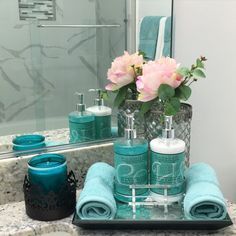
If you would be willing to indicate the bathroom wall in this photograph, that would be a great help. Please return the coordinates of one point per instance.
(208, 27)
(41, 68)
(153, 8)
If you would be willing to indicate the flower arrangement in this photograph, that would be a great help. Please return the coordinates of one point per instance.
(163, 80)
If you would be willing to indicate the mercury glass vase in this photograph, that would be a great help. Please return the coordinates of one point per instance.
(181, 124)
(127, 107)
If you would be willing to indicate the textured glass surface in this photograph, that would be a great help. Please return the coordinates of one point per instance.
(130, 106)
(41, 68)
(151, 126)
(150, 212)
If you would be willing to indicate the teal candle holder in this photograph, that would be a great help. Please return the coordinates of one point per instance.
(52, 205)
(28, 142)
(48, 171)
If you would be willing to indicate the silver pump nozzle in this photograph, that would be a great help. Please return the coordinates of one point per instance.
(130, 131)
(168, 132)
(98, 100)
(80, 106)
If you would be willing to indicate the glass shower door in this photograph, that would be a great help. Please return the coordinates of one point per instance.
(59, 52)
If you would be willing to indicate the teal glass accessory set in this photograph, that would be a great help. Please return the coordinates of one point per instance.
(90, 124)
(148, 188)
(165, 169)
(102, 116)
(97, 208)
(49, 192)
(131, 163)
(81, 123)
(29, 143)
(85, 125)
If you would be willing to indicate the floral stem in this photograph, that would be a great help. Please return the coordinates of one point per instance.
(191, 82)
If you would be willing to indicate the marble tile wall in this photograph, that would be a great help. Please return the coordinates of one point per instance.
(114, 42)
(41, 68)
(34, 9)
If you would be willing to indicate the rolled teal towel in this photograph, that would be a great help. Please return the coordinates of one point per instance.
(96, 201)
(101, 170)
(203, 199)
(148, 36)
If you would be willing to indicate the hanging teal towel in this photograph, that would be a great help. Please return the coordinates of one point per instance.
(148, 36)
(96, 200)
(203, 199)
(167, 38)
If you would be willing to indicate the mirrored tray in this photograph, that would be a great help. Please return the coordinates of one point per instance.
(152, 217)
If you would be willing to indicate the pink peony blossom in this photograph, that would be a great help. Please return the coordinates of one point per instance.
(155, 73)
(121, 72)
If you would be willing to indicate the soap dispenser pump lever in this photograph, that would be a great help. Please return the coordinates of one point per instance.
(80, 106)
(130, 131)
(168, 131)
(98, 100)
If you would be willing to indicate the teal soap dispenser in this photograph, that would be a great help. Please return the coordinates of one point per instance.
(81, 123)
(102, 116)
(131, 163)
(167, 166)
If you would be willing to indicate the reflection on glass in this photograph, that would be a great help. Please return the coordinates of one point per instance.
(154, 28)
(155, 37)
(28, 142)
(102, 116)
(42, 67)
(81, 123)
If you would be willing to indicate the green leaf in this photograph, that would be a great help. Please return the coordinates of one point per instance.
(105, 95)
(184, 71)
(165, 92)
(200, 64)
(198, 73)
(146, 106)
(142, 53)
(120, 97)
(172, 106)
(183, 92)
(132, 86)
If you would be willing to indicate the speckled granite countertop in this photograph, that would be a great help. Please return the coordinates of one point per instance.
(15, 222)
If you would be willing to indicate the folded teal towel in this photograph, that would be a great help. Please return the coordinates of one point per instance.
(203, 199)
(148, 36)
(96, 201)
(167, 38)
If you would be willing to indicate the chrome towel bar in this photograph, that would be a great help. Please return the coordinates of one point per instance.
(79, 26)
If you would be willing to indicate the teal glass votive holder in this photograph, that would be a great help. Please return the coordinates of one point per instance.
(28, 142)
(48, 171)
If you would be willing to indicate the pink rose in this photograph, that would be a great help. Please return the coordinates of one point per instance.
(121, 72)
(155, 73)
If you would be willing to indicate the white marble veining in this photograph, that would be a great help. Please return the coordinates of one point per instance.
(15, 222)
(36, 63)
